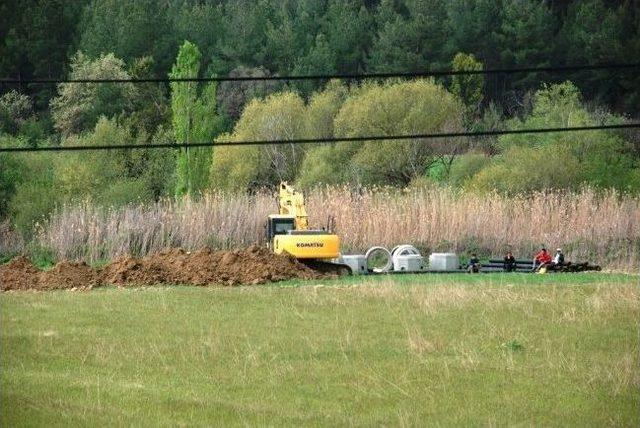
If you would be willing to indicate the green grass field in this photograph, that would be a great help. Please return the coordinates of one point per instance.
(495, 349)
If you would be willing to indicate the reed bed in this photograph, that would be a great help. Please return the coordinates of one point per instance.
(588, 225)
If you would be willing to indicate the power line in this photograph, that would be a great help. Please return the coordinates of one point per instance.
(320, 140)
(359, 76)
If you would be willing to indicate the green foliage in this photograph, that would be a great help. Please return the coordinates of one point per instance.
(593, 32)
(323, 163)
(524, 38)
(233, 96)
(15, 109)
(129, 30)
(78, 107)
(184, 94)
(158, 170)
(118, 177)
(150, 106)
(278, 117)
(394, 108)
(34, 131)
(11, 172)
(82, 175)
(323, 108)
(42, 258)
(468, 88)
(195, 119)
(124, 191)
(474, 28)
(414, 107)
(347, 26)
(17, 117)
(409, 37)
(36, 37)
(333, 35)
(525, 169)
(115, 39)
(35, 193)
(321, 59)
(599, 158)
(492, 119)
(466, 166)
(329, 164)
(10, 176)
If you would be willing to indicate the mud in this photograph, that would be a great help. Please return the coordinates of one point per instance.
(254, 265)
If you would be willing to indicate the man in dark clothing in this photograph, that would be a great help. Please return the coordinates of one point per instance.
(509, 262)
(474, 264)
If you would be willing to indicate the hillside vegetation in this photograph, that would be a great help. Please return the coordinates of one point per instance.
(112, 39)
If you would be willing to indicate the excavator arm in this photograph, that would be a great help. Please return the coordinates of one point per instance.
(291, 202)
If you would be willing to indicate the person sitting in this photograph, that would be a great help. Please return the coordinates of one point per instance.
(558, 259)
(542, 259)
(509, 262)
(474, 264)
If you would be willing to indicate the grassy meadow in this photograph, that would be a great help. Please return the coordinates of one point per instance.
(409, 350)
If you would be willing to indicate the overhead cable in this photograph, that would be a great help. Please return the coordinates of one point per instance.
(296, 141)
(359, 76)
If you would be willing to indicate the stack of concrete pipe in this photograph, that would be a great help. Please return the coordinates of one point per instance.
(402, 258)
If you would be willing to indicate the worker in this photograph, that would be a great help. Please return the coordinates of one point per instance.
(509, 262)
(542, 259)
(558, 259)
(474, 264)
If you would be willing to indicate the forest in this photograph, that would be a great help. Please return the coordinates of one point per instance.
(107, 39)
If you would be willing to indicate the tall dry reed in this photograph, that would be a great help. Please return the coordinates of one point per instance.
(599, 227)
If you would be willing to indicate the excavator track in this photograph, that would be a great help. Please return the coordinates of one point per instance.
(337, 269)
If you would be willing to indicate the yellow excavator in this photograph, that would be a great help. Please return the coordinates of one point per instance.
(288, 232)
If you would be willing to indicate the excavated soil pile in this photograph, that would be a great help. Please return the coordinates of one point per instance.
(19, 274)
(254, 265)
(69, 275)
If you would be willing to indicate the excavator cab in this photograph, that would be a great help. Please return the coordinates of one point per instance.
(279, 225)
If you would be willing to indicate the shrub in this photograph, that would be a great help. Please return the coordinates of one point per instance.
(466, 166)
(279, 116)
(522, 169)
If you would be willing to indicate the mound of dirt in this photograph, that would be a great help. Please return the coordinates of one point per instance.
(254, 265)
(68, 275)
(19, 274)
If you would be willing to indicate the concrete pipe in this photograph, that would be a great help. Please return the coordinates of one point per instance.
(379, 251)
(403, 250)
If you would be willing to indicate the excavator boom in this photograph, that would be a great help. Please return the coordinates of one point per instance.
(291, 202)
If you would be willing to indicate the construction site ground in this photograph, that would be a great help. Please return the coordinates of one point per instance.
(251, 266)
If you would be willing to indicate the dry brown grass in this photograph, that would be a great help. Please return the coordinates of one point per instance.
(602, 227)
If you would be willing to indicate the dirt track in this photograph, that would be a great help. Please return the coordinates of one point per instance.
(254, 265)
